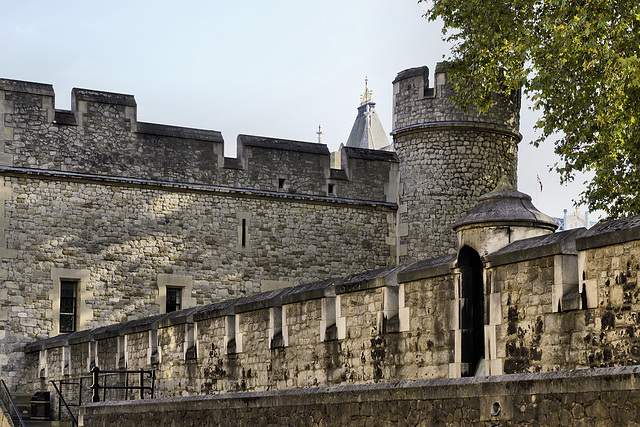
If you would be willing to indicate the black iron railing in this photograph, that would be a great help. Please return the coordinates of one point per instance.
(62, 402)
(141, 387)
(8, 403)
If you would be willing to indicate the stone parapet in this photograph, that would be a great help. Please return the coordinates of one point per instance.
(607, 396)
(100, 135)
(417, 103)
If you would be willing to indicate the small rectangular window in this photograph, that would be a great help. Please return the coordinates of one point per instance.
(174, 299)
(332, 189)
(281, 184)
(68, 305)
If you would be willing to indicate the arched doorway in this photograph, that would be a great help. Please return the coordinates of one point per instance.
(472, 312)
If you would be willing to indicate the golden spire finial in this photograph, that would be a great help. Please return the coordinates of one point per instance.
(368, 94)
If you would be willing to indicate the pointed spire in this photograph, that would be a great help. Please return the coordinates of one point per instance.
(319, 133)
(367, 130)
(367, 96)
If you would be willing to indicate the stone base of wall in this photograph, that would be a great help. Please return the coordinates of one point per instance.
(606, 396)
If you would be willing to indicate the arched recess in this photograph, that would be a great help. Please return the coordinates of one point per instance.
(471, 312)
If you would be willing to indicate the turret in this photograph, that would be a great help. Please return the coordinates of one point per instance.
(448, 159)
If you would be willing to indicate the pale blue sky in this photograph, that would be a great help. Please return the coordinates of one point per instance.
(275, 68)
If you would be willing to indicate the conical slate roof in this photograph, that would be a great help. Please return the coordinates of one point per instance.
(506, 206)
(367, 131)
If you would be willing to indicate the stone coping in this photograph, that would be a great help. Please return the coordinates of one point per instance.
(366, 280)
(366, 154)
(610, 233)
(27, 87)
(179, 132)
(411, 72)
(102, 97)
(310, 291)
(561, 243)
(190, 187)
(427, 269)
(569, 381)
(261, 301)
(282, 144)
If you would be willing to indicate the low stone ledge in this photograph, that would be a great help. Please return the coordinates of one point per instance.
(310, 291)
(610, 233)
(562, 243)
(362, 281)
(110, 332)
(141, 325)
(212, 311)
(427, 269)
(180, 319)
(358, 282)
(374, 400)
(260, 301)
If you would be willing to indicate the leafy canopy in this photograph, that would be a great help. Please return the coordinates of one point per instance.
(579, 63)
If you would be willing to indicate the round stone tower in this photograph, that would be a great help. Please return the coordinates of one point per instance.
(448, 158)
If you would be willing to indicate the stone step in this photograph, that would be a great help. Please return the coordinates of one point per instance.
(34, 423)
(23, 403)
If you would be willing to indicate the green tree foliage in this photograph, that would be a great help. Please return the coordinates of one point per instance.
(579, 63)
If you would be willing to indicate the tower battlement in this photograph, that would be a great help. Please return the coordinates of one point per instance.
(448, 158)
(417, 103)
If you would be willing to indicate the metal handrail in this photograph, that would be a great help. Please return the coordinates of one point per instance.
(6, 391)
(73, 418)
(95, 387)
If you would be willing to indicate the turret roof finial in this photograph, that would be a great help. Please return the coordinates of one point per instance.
(319, 133)
(367, 97)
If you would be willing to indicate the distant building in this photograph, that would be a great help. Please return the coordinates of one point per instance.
(574, 220)
(367, 131)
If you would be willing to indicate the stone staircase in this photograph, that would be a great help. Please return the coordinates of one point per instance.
(23, 403)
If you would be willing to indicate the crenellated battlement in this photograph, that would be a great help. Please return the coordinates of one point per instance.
(100, 135)
(417, 103)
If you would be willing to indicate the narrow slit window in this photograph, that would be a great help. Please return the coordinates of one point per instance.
(332, 189)
(68, 305)
(174, 299)
(281, 184)
(244, 233)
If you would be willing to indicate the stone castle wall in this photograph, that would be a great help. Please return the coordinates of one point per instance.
(395, 324)
(128, 208)
(448, 158)
(126, 243)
